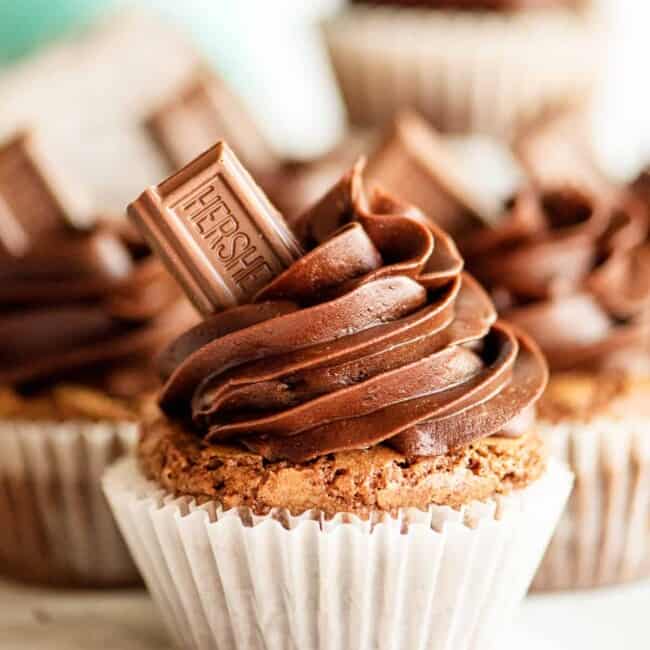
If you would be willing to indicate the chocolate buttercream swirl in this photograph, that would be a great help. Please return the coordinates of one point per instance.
(375, 335)
(573, 271)
(81, 304)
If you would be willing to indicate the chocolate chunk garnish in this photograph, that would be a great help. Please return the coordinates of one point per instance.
(34, 200)
(215, 230)
(414, 162)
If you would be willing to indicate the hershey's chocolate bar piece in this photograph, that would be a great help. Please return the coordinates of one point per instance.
(215, 230)
(204, 111)
(33, 198)
(414, 162)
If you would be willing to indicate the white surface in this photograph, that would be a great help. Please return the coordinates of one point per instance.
(603, 619)
(39, 619)
(36, 619)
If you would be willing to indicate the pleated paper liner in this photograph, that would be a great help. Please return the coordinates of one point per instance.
(56, 525)
(489, 72)
(230, 579)
(604, 535)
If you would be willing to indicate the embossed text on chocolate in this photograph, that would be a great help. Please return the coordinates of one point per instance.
(224, 234)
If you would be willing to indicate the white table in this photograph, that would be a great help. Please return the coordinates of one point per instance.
(38, 619)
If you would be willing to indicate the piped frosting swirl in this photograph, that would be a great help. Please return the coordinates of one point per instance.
(83, 306)
(572, 270)
(374, 336)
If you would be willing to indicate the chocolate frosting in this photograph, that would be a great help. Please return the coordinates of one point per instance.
(84, 306)
(573, 271)
(374, 335)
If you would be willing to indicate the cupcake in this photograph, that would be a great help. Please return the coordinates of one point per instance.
(82, 311)
(350, 459)
(573, 271)
(484, 66)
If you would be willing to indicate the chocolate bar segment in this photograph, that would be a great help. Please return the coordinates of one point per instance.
(203, 112)
(215, 230)
(33, 198)
(413, 162)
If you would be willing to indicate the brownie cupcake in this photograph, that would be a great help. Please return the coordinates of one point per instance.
(573, 270)
(82, 311)
(350, 459)
(488, 66)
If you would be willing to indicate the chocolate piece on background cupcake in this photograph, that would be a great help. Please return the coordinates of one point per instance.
(364, 413)
(206, 110)
(34, 200)
(573, 269)
(295, 185)
(417, 163)
(469, 67)
(82, 312)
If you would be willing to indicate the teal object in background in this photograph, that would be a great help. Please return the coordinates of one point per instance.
(28, 24)
(269, 50)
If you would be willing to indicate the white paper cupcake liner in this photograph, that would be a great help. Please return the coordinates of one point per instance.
(230, 579)
(604, 535)
(56, 525)
(488, 72)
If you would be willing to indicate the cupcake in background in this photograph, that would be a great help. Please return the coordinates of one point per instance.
(463, 181)
(468, 66)
(83, 309)
(572, 268)
(568, 260)
(350, 459)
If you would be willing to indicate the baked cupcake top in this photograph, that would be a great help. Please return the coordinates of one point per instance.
(84, 308)
(573, 271)
(374, 336)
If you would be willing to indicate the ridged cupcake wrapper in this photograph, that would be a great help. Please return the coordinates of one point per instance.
(485, 72)
(230, 579)
(56, 525)
(604, 535)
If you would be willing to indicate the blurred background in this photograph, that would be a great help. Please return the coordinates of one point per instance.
(86, 73)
